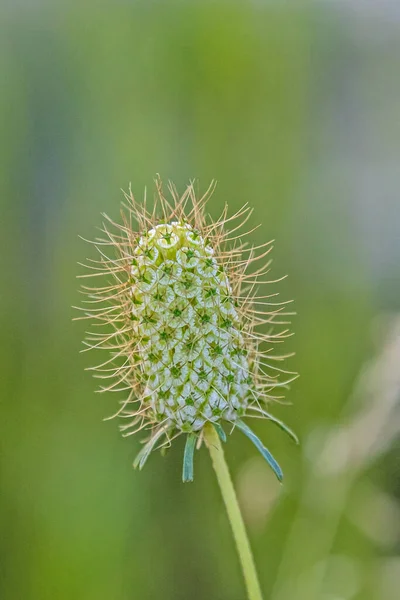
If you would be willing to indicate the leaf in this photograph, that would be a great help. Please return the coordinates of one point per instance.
(220, 431)
(143, 455)
(260, 446)
(280, 424)
(187, 472)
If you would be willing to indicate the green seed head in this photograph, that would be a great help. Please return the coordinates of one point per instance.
(183, 324)
(194, 360)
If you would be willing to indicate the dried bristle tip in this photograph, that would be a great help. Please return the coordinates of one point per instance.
(181, 321)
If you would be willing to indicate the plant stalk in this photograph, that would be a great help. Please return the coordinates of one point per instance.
(214, 445)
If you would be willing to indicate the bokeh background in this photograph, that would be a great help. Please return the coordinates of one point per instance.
(293, 107)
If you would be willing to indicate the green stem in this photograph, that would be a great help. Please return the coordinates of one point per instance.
(235, 517)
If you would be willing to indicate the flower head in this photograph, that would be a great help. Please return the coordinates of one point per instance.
(183, 324)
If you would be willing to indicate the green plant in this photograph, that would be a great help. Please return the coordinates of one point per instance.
(182, 323)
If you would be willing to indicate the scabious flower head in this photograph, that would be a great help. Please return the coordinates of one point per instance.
(182, 322)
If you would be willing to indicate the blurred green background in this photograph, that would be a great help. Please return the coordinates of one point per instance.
(294, 108)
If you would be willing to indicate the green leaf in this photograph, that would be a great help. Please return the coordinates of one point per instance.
(280, 424)
(220, 431)
(187, 472)
(143, 455)
(260, 446)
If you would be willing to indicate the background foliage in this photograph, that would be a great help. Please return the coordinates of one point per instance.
(294, 108)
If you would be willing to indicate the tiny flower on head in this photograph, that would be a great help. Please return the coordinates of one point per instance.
(182, 323)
